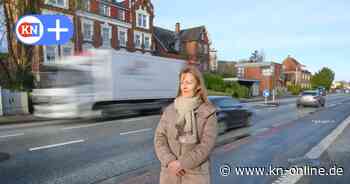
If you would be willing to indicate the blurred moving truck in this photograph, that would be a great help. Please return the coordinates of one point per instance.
(104, 83)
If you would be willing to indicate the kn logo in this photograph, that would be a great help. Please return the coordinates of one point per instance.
(44, 29)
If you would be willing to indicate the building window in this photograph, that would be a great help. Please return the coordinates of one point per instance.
(50, 53)
(240, 72)
(121, 15)
(206, 49)
(86, 5)
(122, 37)
(139, 18)
(87, 46)
(87, 27)
(147, 44)
(67, 50)
(142, 19)
(58, 3)
(137, 40)
(104, 10)
(106, 35)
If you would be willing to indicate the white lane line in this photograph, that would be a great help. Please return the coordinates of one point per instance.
(56, 145)
(11, 135)
(316, 152)
(105, 123)
(136, 131)
(83, 126)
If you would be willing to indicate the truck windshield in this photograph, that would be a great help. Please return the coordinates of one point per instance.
(54, 77)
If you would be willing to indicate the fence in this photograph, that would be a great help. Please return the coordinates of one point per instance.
(13, 103)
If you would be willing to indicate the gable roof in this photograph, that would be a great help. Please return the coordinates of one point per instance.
(168, 38)
(291, 59)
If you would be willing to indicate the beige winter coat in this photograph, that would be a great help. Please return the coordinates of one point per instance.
(194, 158)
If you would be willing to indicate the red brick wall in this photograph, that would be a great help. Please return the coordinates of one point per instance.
(79, 35)
(114, 11)
(114, 37)
(289, 65)
(94, 6)
(255, 73)
(97, 40)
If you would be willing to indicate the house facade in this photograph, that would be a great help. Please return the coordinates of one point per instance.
(295, 74)
(109, 24)
(124, 25)
(191, 44)
(270, 74)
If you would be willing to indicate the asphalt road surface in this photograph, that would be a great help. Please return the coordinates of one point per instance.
(121, 150)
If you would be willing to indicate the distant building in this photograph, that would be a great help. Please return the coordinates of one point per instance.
(270, 74)
(213, 60)
(295, 74)
(191, 44)
(227, 68)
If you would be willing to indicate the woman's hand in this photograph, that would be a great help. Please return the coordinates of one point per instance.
(175, 168)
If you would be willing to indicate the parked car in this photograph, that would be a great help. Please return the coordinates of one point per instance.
(230, 113)
(311, 98)
(347, 91)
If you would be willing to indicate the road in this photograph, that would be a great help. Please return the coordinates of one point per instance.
(121, 151)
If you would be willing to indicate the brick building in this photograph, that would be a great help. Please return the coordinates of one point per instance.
(270, 74)
(213, 60)
(190, 44)
(124, 25)
(227, 68)
(295, 74)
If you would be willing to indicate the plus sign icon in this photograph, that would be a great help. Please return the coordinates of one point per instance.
(44, 29)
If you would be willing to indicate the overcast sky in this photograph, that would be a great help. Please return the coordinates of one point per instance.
(315, 32)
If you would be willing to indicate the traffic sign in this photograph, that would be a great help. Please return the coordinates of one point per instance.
(266, 93)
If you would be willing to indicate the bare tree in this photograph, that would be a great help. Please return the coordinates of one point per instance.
(18, 66)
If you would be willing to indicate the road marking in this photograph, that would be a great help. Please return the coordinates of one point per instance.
(107, 123)
(132, 119)
(56, 145)
(332, 105)
(11, 135)
(316, 152)
(136, 131)
(84, 126)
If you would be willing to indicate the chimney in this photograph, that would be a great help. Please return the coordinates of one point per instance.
(177, 27)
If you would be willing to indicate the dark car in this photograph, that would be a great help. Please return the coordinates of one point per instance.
(230, 113)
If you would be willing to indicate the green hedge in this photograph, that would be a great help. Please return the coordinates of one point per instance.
(215, 82)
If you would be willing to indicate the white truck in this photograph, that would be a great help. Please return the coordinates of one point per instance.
(104, 82)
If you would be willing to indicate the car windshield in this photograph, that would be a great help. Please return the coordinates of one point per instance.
(309, 93)
(225, 102)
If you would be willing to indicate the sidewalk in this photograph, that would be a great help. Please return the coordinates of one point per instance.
(261, 98)
(337, 154)
(5, 120)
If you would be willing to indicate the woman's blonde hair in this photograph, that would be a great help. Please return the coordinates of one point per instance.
(202, 91)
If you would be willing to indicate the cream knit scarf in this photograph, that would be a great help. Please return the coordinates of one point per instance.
(186, 124)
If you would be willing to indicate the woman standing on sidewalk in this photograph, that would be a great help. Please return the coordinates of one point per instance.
(186, 133)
